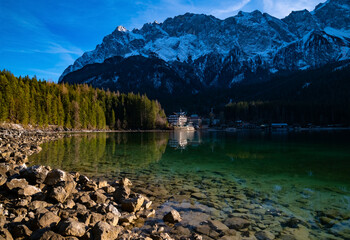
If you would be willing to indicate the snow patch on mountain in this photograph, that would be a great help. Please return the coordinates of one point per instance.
(219, 52)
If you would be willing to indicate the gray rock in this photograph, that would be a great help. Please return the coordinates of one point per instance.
(172, 217)
(112, 209)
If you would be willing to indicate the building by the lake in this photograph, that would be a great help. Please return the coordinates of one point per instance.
(178, 119)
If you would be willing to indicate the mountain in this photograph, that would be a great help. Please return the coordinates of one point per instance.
(194, 53)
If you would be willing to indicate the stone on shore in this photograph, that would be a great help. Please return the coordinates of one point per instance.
(28, 190)
(16, 183)
(172, 217)
(104, 231)
(48, 219)
(35, 174)
(71, 227)
(121, 193)
(133, 204)
(55, 176)
(50, 235)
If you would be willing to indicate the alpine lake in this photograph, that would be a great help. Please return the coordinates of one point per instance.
(299, 181)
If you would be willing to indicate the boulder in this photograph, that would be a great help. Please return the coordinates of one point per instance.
(133, 204)
(112, 219)
(237, 223)
(125, 182)
(71, 227)
(264, 235)
(5, 234)
(55, 176)
(121, 193)
(37, 204)
(3, 179)
(172, 217)
(28, 190)
(98, 197)
(104, 231)
(83, 179)
(90, 186)
(50, 235)
(48, 219)
(16, 183)
(20, 231)
(93, 218)
(35, 174)
(58, 194)
(112, 209)
(102, 184)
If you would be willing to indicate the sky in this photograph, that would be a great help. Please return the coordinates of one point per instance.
(43, 37)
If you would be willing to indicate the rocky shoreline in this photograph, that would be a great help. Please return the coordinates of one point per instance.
(38, 202)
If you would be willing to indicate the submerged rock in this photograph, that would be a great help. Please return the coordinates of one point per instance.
(237, 223)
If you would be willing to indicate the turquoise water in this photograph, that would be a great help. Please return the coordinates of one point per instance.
(300, 174)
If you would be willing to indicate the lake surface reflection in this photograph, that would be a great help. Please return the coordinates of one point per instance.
(300, 174)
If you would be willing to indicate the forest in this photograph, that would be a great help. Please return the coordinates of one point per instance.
(28, 100)
(317, 96)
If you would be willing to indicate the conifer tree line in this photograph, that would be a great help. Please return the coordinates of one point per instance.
(29, 101)
(291, 112)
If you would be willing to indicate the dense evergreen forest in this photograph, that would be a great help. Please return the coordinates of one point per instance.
(319, 96)
(29, 101)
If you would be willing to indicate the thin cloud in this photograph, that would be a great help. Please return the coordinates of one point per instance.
(282, 8)
(169, 8)
(231, 9)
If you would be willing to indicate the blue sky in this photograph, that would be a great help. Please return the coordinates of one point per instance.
(43, 37)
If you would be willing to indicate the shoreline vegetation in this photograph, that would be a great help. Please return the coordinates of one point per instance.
(28, 101)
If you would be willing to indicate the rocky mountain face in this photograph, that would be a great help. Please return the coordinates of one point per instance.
(192, 53)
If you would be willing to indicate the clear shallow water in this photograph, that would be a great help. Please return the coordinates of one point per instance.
(301, 174)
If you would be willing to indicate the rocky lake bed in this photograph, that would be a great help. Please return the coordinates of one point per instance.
(38, 202)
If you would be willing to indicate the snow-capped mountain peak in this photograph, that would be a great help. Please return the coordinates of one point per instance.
(209, 52)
